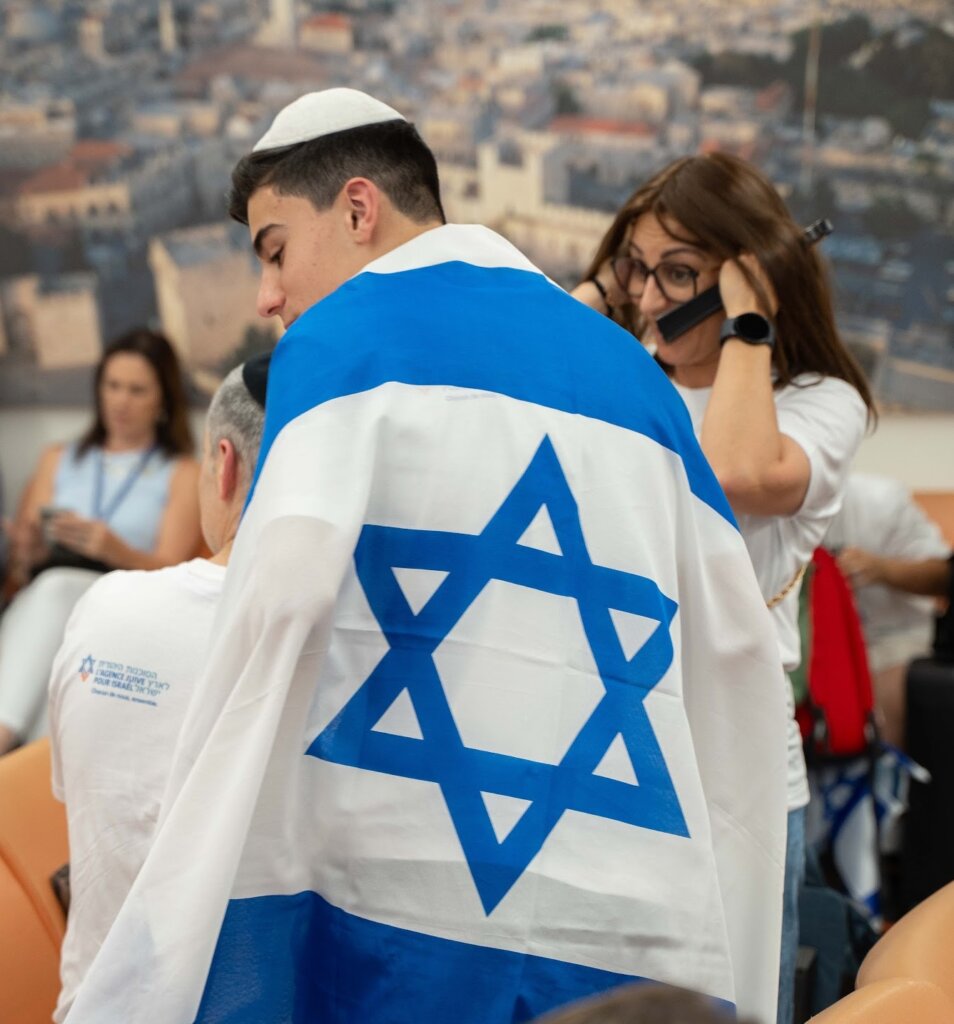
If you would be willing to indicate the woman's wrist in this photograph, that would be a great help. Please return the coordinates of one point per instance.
(112, 550)
(745, 304)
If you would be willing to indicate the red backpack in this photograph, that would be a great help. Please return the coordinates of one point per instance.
(836, 713)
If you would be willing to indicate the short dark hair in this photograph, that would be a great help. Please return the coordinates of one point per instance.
(391, 154)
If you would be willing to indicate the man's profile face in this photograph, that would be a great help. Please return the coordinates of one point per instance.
(304, 253)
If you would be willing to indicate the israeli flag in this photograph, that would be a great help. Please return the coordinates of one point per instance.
(855, 813)
(494, 717)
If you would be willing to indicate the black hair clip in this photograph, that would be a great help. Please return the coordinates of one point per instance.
(819, 230)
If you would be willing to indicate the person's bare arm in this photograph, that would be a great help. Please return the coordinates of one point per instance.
(179, 533)
(762, 471)
(930, 577)
(178, 537)
(26, 542)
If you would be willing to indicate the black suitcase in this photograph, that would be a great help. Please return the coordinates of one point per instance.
(927, 855)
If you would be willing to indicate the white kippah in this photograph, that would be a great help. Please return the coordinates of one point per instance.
(323, 113)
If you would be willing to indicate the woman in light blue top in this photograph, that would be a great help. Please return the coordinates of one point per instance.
(123, 497)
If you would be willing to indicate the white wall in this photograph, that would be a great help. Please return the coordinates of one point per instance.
(916, 449)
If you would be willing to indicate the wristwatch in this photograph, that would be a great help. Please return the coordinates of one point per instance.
(752, 328)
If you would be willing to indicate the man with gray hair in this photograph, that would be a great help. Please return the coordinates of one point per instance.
(123, 678)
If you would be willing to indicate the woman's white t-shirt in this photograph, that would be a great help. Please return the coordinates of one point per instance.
(826, 418)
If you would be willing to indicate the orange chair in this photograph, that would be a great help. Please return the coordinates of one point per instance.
(893, 1001)
(33, 837)
(919, 946)
(33, 845)
(29, 957)
(939, 506)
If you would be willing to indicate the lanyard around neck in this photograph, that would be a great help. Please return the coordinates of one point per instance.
(105, 514)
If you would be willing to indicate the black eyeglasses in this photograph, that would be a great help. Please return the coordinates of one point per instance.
(676, 281)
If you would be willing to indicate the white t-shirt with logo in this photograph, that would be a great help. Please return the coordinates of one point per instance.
(121, 684)
(880, 515)
(826, 418)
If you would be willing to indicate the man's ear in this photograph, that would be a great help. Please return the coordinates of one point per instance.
(362, 200)
(227, 475)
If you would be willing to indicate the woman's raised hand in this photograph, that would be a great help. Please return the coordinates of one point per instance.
(738, 295)
(603, 292)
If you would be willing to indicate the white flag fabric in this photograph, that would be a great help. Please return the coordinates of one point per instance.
(494, 717)
(855, 814)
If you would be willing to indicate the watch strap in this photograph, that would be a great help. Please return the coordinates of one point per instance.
(752, 328)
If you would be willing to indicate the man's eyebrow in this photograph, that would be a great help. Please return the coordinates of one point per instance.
(260, 237)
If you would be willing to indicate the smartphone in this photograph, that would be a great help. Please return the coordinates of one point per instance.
(47, 514)
(676, 322)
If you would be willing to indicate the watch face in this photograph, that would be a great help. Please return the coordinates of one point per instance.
(752, 327)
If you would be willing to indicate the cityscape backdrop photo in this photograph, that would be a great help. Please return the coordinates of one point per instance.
(120, 121)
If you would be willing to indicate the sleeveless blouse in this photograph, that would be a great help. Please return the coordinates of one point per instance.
(137, 517)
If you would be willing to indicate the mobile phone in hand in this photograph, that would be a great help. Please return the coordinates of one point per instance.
(47, 514)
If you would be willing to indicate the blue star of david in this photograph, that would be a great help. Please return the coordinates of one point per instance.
(440, 756)
(87, 666)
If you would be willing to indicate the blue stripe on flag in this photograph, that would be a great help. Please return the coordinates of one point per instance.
(297, 959)
(507, 331)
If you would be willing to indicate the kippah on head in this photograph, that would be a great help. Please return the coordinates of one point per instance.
(255, 376)
(323, 113)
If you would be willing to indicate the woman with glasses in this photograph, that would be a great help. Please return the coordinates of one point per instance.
(777, 402)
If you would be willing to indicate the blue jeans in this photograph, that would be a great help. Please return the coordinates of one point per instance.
(794, 876)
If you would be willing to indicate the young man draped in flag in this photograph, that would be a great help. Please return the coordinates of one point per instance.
(495, 717)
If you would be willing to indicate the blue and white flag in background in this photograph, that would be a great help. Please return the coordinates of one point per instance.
(495, 717)
(855, 812)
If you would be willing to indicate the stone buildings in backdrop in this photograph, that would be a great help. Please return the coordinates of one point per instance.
(120, 122)
(191, 265)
